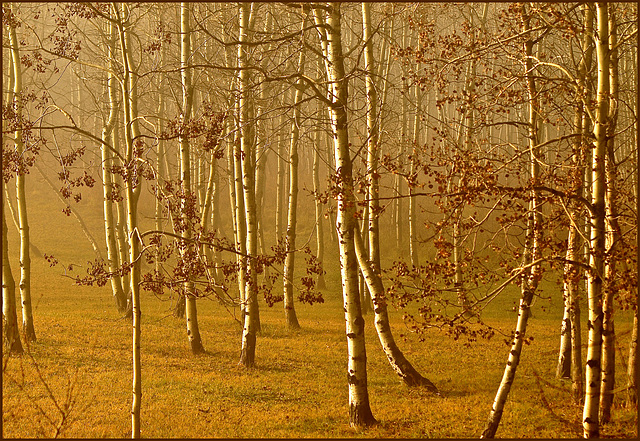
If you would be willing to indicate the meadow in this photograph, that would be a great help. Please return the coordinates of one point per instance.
(81, 366)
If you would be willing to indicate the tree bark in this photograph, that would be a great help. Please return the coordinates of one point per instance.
(12, 343)
(188, 251)
(532, 245)
(405, 370)
(132, 191)
(113, 261)
(359, 408)
(21, 195)
(247, 148)
(632, 382)
(593, 368)
(289, 262)
(320, 283)
(612, 233)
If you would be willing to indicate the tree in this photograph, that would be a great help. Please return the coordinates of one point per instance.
(289, 263)
(593, 369)
(531, 253)
(133, 187)
(247, 157)
(188, 201)
(11, 332)
(25, 257)
(330, 31)
(109, 140)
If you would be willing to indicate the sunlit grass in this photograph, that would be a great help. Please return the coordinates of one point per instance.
(298, 388)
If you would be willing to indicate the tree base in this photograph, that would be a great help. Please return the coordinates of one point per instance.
(361, 415)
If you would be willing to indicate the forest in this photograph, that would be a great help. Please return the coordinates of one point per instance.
(319, 220)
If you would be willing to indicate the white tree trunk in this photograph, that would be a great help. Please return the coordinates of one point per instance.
(132, 190)
(289, 262)
(359, 408)
(113, 261)
(23, 222)
(193, 330)
(531, 252)
(247, 148)
(11, 334)
(593, 373)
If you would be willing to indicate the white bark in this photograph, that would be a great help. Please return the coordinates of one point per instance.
(289, 263)
(248, 155)
(531, 252)
(25, 257)
(113, 261)
(593, 370)
(193, 330)
(132, 191)
(359, 408)
(11, 334)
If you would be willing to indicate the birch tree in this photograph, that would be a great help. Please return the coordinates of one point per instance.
(531, 254)
(132, 191)
(247, 157)
(593, 369)
(330, 31)
(188, 201)
(289, 263)
(25, 256)
(11, 332)
(108, 138)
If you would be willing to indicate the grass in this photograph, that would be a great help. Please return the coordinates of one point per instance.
(297, 390)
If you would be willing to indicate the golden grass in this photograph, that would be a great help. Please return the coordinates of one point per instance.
(298, 388)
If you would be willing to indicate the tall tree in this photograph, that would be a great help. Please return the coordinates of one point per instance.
(531, 253)
(25, 256)
(331, 37)
(289, 263)
(247, 156)
(133, 187)
(593, 370)
(188, 202)
(11, 331)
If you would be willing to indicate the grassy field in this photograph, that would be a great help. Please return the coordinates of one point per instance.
(298, 388)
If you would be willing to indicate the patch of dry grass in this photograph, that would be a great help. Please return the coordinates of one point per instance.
(298, 388)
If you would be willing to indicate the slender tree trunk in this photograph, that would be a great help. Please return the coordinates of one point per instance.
(359, 408)
(612, 233)
(413, 209)
(14, 217)
(597, 240)
(289, 262)
(25, 257)
(12, 343)
(531, 253)
(407, 373)
(113, 261)
(132, 188)
(191, 310)
(373, 147)
(320, 283)
(632, 381)
(247, 148)
(280, 192)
